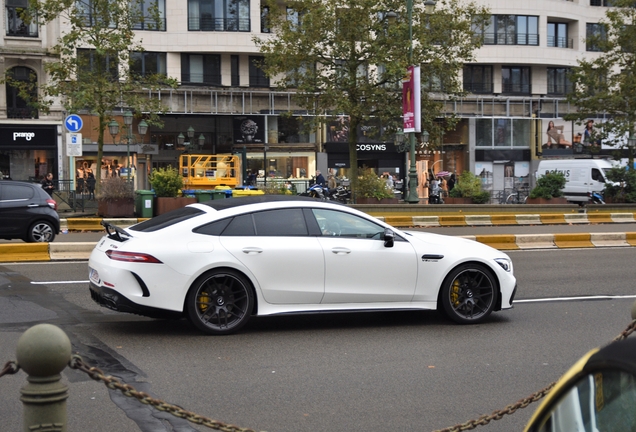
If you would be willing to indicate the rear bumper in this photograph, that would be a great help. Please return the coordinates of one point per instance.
(112, 299)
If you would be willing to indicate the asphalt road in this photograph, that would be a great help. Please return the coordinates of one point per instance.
(367, 371)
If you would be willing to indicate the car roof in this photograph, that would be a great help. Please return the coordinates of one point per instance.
(228, 203)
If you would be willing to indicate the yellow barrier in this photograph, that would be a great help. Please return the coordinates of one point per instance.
(599, 217)
(452, 220)
(85, 224)
(403, 221)
(573, 240)
(630, 238)
(24, 252)
(503, 219)
(501, 242)
(553, 218)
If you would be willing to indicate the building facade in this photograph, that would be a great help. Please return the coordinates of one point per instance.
(516, 86)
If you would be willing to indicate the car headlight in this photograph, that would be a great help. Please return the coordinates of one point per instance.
(505, 263)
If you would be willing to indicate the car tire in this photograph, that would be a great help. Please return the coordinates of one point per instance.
(220, 302)
(469, 294)
(41, 232)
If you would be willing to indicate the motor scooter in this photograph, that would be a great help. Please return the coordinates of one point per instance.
(595, 198)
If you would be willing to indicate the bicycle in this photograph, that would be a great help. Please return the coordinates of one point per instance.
(518, 196)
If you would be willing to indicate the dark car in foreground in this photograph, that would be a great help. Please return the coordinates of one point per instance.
(27, 212)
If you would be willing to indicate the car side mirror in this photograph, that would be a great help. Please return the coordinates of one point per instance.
(389, 238)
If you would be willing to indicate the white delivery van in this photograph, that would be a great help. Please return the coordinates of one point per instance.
(583, 176)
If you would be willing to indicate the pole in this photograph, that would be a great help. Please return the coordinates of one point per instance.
(128, 153)
(413, 197)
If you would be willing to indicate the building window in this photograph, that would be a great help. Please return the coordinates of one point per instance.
(147, 63)
(264, 17)
(601, 3)
(152, 15)
(89, 61)
(14, 24)
(500, 133)
(17, 107)
(258, 78)
(478, 79)
(595, 34)
(201, 69)
(511, 30)
(515, 80)
(558, 81)
(235, 71)
(558, 35)
(219, 15)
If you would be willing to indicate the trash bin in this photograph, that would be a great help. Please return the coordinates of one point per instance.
(144, 203)
(219, 194)
(203, 195)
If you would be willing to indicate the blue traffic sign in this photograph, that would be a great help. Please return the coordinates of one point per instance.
(73, 123)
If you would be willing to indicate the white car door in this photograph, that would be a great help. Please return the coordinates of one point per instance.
(274, 245)
(359, 268)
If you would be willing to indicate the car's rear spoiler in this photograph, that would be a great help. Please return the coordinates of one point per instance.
(115, 233)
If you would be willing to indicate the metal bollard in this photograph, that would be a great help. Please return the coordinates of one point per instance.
(43, 351)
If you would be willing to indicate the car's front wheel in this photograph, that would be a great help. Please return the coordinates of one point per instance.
(469, 294)
(41, 232)
(220, 302)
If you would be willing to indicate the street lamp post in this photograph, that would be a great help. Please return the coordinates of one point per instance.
(413, 197)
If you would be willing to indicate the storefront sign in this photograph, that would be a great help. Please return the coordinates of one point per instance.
(28, 137)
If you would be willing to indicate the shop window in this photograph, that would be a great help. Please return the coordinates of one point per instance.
(15, 25)
(17, 106)
(503, 132)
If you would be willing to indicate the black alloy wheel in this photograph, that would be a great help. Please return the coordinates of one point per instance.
(220, 302)
(41, 232)
(469, 293)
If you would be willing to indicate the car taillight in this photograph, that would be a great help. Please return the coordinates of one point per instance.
(52, 204)
(132, 257)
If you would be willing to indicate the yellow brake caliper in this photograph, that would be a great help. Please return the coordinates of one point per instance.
(454, 293)
(204, 300)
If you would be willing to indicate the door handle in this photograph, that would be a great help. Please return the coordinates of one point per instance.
(341, 251)
(33, 205)
(252, 250)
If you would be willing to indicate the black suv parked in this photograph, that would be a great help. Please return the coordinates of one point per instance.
(27, 212)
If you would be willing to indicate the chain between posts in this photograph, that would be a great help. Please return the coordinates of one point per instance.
(11, 367)
(113, 383)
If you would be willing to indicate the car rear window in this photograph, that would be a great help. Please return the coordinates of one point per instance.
(168, 219)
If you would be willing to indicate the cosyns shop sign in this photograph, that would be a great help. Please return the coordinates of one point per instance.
(26, 135)
(371, 147)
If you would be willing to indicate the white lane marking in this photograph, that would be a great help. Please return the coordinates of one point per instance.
(555, 299)
(59, 282)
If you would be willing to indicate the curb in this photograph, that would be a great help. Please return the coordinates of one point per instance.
(21, 252)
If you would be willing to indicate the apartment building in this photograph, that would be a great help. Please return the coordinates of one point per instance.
(224, 103)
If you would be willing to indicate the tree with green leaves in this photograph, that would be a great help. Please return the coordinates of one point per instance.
(348, 58)
(95, 69)
(605, 84)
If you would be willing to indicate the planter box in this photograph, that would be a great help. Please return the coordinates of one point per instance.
(116, 208)
(461, 200)
(165, 204)
(559, 200)
(376, 201)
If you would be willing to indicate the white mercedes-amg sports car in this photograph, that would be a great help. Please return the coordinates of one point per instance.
(221, 262)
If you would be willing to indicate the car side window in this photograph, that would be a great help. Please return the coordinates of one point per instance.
(340, 224)
(240, 226)
(214, 228)
(287, 222)
(16, 192)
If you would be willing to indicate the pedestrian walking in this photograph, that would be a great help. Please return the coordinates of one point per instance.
(90, 185)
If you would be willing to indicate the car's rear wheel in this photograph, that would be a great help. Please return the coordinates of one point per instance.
(220, 302)
(469, 294)
(41, 232)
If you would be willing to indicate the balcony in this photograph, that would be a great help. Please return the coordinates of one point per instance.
(478, 88)
(219, 24)
(510, 39)
(559, 42)
(516, 89)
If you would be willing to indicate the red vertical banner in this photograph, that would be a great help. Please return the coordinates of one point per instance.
(411, 100)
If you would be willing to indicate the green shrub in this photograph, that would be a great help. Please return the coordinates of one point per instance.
(370, 185)
(113, 188)
(625, 189)
(549, 186)
(167, 182)
(469, 186)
